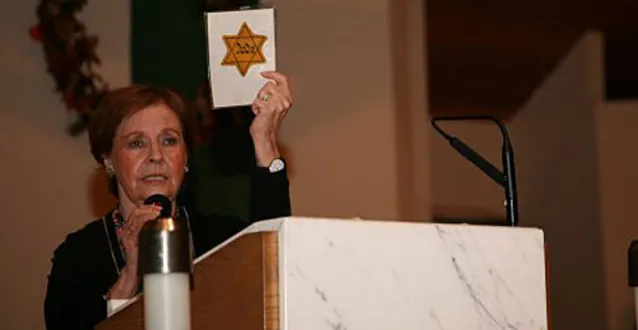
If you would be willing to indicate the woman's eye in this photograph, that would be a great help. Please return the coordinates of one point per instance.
(134, 144)
(170, 140)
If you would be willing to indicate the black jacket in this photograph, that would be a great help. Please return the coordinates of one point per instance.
(84, 269)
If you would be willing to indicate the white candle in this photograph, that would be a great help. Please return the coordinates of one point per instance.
(167, 301)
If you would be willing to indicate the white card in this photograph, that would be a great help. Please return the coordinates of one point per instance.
(241, 44)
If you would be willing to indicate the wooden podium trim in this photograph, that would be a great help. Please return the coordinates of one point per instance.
(237, 287)
(271, 281)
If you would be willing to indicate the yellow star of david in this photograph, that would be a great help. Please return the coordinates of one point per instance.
(244, 49)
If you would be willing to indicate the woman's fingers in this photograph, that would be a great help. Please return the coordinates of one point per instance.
(136, 221)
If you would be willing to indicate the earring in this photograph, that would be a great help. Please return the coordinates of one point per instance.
(110, 172)
(186, 168)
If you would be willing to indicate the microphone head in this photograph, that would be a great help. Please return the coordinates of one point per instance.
(163, 201)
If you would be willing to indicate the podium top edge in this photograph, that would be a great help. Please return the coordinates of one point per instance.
(276, 223)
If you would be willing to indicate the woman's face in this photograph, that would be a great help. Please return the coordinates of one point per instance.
(149, 154)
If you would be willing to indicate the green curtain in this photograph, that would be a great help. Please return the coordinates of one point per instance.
(168, 48)
(168, 44)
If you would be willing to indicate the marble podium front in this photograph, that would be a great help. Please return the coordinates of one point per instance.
(349, 275)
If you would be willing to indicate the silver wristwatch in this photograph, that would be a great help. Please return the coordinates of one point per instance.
(276, 165)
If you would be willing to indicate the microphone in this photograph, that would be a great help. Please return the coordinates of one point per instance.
(506, 179)
(163, 201)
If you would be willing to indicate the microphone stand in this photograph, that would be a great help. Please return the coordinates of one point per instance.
(506, 179)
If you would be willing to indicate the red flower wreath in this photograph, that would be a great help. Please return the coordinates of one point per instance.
(71, 57)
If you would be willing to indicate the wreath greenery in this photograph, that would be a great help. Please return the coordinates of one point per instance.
(71, 58)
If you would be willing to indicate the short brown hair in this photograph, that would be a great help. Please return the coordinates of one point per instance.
(123, 103)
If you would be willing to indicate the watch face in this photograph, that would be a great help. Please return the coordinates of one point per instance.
(276, 165)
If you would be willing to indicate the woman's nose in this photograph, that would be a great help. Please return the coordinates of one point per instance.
(155, 153)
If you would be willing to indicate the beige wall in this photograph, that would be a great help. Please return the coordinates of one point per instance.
(617, 162)
(554, 138)
(576, 180)
(361, 146)
(554, 135)
(47, 176)
(459, 189)
(359, 117)
(356, 134)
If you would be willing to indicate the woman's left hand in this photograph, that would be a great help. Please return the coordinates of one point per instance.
(270, 107)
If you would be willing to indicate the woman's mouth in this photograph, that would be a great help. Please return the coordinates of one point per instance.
(154, 178)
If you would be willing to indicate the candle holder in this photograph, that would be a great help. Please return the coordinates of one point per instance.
(166, 264)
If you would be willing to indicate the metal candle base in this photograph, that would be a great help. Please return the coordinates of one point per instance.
(166, 266)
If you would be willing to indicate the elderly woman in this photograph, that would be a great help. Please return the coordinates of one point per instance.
(141, 135)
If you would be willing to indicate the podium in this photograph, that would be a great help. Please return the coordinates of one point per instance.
(335, 274)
